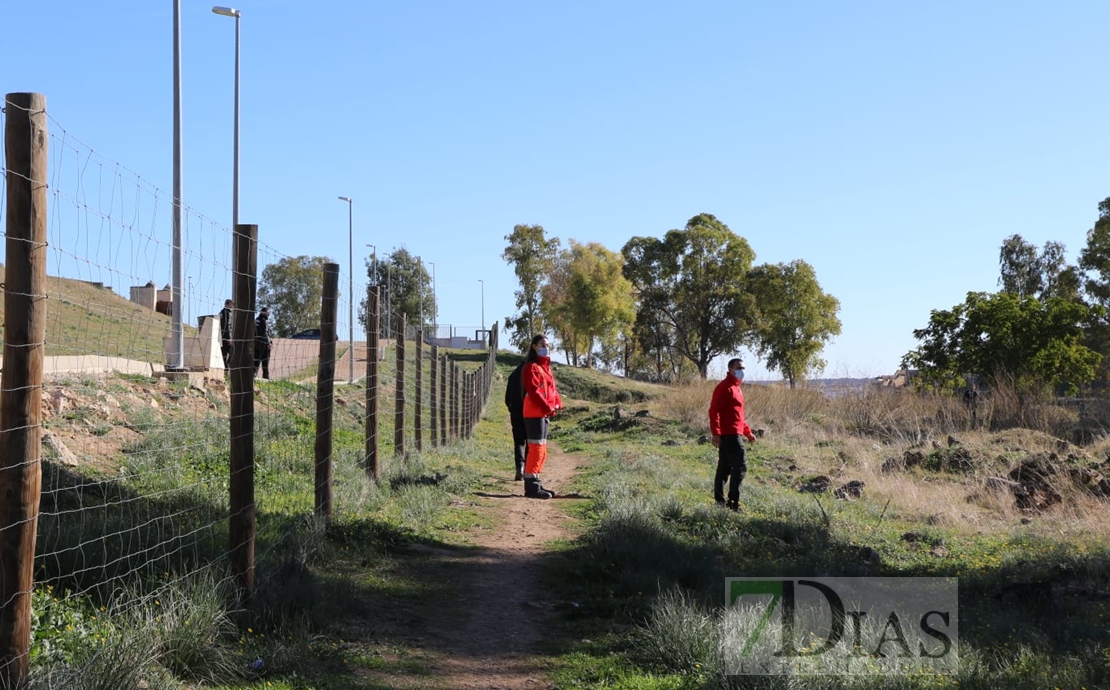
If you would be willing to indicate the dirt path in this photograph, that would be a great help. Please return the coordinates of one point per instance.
(491, 640)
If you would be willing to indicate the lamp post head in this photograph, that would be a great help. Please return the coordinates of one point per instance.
(227, 11)
(346, 198)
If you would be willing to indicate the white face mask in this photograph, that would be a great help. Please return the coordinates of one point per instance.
(541, 351)
(739, 374)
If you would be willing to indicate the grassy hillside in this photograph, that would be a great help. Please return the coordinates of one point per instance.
(83, 318)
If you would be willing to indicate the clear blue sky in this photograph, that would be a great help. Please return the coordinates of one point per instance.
(891, 145)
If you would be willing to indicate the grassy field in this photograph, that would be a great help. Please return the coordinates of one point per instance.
(1034, 594)
(644, 580)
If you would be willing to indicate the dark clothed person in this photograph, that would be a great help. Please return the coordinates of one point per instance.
(514, 401)
(225, 333)
(262, 343)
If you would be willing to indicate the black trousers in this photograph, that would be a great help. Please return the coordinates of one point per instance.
(520, 438)
(262, 359)
(731, 465)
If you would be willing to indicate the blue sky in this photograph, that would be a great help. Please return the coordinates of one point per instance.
(893, 146)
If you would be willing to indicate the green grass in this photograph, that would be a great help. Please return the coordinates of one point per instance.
(83, 318)
(645, 575)
(648, 573)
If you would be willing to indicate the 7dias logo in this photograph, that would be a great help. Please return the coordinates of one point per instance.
(849, 625)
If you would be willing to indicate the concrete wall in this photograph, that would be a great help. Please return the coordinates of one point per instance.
(201, 351)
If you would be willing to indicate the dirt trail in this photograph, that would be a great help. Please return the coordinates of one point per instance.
(492, 639)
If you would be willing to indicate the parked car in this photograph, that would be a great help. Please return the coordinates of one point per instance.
(310, 334)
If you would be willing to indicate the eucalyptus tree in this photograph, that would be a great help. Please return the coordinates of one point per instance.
(532, 255)
(292, 288)
(693, 283)
(588, 300)
(797, 318)
(406, 288)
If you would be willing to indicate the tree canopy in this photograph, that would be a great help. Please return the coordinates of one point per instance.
(1004, 334)
(588, 301)
(693, 284)
(796, 318)
(1026, 272)
(293, 289)
(406, 288)
(532, 256)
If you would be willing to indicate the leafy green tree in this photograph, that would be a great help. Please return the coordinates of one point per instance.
(1094, 260)
(692, 284)
(653, 357)
(588, 300)
(557, 308)
(1036, 344)
(797, 318)
(1094, 276)
(616, 355)
(532, 256)
(406, 288)
(293, 288)
(1026, 272)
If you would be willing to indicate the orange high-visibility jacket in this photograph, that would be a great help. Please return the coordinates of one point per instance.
(541, 398)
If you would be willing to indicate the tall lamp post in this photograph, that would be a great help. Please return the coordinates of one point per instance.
(232, 12)
(483, 303)
(176, 355)
(350, 283)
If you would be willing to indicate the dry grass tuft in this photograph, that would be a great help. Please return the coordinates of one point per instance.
(865, 435)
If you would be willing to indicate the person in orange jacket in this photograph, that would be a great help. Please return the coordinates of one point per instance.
(727, 425)
(541, 401)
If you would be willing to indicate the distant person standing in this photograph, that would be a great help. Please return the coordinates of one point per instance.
(514, 401)
(262, 343)
(541, 401)
(225, 333)
(727, 425)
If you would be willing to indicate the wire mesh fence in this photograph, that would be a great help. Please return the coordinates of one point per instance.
(126, 480)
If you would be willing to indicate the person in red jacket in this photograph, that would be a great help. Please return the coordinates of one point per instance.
(727, 425)
(541, 401)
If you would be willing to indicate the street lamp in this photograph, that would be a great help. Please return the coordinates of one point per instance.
(176, 355)
(231, 12)
(483, 303)
(350, 284)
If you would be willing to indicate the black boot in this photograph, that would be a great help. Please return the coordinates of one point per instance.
(734, 506)
(519, 473)
(533, 489)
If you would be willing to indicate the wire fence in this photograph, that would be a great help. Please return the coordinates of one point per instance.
(122, 474)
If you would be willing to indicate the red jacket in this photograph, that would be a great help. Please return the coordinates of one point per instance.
(726, 410)
(541, 398)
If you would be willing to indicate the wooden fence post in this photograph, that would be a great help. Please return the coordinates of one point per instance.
(433, 396)
(373, 331)
(454, 394)
(325, 389)
(443, 400)
(25, 147)
(468, 403)
(418, 409)
(241, 528)
(399, 397)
